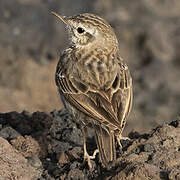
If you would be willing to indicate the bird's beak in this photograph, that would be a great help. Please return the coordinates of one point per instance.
(60, 17)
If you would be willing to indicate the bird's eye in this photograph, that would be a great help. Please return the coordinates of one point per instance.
(80, 30)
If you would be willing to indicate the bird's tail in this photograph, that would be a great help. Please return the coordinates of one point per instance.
(106, 144)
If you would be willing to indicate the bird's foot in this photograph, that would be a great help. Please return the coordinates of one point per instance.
(125, 138)
(119, 138)
(88, 158)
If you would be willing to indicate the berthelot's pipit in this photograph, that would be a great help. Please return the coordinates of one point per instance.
(94, 82)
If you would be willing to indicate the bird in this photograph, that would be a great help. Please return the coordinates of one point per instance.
(95, 83)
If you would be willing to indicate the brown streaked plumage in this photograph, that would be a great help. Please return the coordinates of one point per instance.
(94, 82)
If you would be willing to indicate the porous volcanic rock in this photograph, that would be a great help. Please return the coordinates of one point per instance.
(49, 147)
(148, 32)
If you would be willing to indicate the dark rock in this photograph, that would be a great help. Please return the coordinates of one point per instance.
(59, 146)
(65, 129)
(174, 123)
(35, 161)
(9, 133)
(75, 153)
(76, 174)
(62, 158)
(149, 147)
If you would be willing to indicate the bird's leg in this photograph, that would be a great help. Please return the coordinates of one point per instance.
(87, 157)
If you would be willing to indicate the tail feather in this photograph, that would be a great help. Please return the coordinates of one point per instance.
(106, 144)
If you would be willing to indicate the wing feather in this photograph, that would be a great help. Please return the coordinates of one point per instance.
(108, 110)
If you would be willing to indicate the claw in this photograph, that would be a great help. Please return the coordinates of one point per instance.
(125, 138)
(119, 138)
(88, 158)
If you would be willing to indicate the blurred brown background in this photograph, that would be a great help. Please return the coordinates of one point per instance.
(31, 40)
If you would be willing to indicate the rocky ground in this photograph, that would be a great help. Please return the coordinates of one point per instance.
(49, 146)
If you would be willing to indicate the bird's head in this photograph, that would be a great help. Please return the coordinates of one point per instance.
(89, 30)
